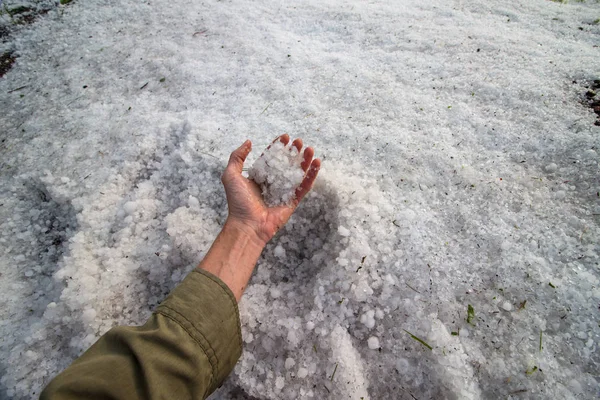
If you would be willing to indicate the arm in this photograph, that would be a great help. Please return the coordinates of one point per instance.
(193, 340)
(250, 224)
(184, 351)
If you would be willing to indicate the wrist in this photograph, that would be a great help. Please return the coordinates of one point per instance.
(233, 256)
(242, 229)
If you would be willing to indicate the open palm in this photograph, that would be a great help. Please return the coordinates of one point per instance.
(246, 206)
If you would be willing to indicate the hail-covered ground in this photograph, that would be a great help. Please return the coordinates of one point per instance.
(449, 249)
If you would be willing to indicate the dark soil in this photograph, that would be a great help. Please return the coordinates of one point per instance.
(3, 32)
(591, 98)
(19, 10)
(6, 62)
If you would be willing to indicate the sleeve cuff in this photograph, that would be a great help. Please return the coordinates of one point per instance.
(206, 308)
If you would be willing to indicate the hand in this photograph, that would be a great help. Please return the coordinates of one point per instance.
(247, 209)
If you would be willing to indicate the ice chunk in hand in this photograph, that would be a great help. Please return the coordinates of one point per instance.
(278, 172)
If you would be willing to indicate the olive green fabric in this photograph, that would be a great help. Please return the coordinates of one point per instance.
(184, 351)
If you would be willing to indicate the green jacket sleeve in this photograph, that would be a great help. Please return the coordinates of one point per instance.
(184, 351)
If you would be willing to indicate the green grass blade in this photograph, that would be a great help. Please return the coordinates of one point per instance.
(419, 340)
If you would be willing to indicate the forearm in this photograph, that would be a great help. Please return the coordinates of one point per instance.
(184, 351)
(233, 256)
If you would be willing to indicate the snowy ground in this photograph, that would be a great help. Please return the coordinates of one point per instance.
(460, 167)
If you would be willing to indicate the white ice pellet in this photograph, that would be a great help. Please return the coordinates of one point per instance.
(193, 202)
(280, 382)
(342, 230)
(551, 167)
(402, 365)
(362, 291)
(279, 252)
(88, 315)
(507, 306)
(302, 373)
(129, 207)
(373, 343)
(289, 363)
(368, 319)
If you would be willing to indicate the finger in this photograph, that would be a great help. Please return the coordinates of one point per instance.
(237, 158)
(285, 139)
(307, 158)
(308, 181)
(297, 143)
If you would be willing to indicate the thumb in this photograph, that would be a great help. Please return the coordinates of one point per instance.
(237, 158)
